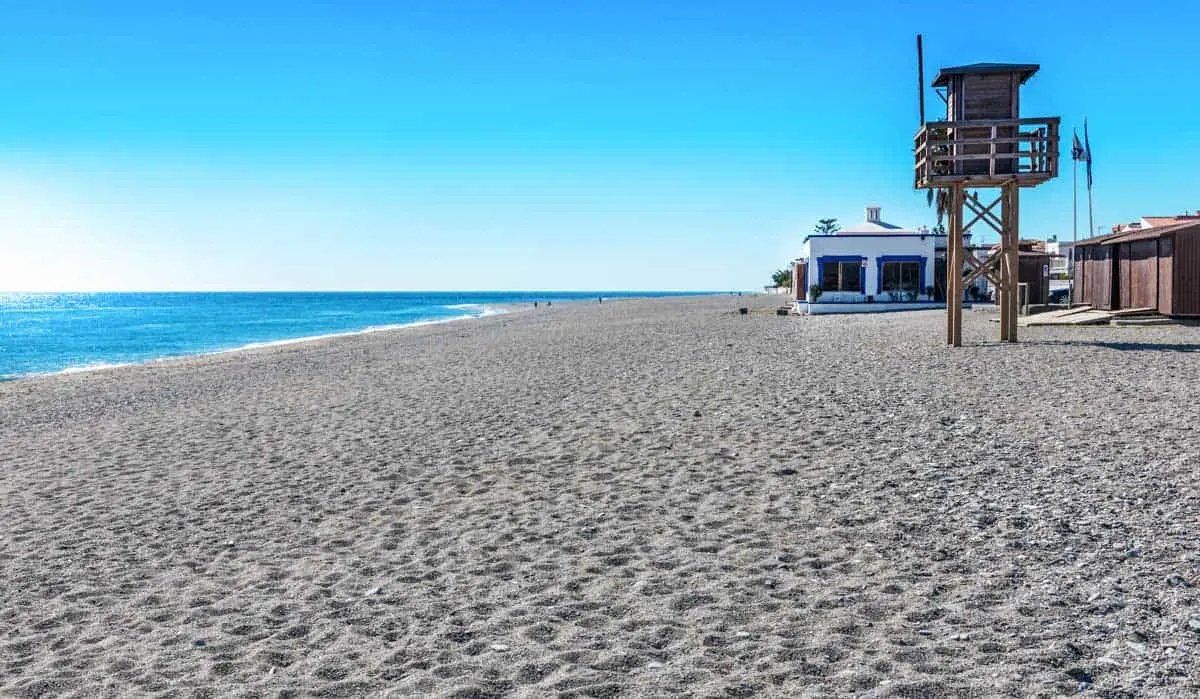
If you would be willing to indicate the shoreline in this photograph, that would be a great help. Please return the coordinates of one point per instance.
(489, 310)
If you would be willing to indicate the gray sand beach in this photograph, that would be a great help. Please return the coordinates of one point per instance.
(641, 498)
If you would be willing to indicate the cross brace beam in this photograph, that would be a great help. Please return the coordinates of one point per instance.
(987, 268)
(983, 213)
(1000, 267)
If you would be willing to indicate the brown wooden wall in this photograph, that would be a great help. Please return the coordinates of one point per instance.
(984, 97)
(1186, 262)
(1082, 271)
(1094, 276)
(1120, 275)
(1032, 271)
(1166, 275)
(1079, 272)
(799, 281)
(1139, 274)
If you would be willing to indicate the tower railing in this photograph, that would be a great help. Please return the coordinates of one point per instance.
(987, 152)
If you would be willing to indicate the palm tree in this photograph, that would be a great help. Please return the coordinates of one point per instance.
(942, 197)
(782, 277)
(827, 226)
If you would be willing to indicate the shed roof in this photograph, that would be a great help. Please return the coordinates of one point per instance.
(1142, 234)
(1100, 239)
(1025, 69)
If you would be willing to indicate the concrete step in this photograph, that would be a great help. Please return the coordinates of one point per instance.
(1140, 321)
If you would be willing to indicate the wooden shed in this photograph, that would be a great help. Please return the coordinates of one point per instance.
(1155, 268)
(1033, 269)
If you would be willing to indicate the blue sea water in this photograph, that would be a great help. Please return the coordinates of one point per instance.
(47, 333)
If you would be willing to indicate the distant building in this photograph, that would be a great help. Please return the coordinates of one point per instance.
(1147, 222)
(1060, 258)
(870, 266)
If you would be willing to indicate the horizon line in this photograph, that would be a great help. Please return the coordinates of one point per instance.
(370, 291)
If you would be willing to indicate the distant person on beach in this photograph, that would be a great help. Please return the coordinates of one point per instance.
(600, 299)
(535, 304)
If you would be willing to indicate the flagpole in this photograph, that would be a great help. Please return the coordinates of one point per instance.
(1091, 225)
(1074, 227)
(1087, 147)
(1074, 200)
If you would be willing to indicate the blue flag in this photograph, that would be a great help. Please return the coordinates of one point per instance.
(1087, 153)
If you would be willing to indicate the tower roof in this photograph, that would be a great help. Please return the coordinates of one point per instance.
(1026, 70)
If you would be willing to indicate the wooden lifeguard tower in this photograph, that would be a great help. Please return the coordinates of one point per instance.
(983, 144)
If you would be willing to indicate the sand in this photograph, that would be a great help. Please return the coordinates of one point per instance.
(640, 498)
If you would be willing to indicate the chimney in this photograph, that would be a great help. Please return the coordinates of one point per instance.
(872, 214)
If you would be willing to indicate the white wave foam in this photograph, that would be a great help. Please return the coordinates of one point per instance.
(480, 310)
(364, 331)
(102, 366)
(95, 366)
(327, 336)
(81, 369)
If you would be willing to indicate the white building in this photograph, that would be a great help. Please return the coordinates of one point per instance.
(1061, 257)
(871, 266)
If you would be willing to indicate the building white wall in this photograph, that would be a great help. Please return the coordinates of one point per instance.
(871, 247)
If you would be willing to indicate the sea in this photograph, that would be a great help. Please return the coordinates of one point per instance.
(46, 333)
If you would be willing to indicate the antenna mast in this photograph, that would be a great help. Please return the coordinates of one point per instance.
(921, 78)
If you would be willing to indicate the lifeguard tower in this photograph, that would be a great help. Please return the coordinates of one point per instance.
(984, 144)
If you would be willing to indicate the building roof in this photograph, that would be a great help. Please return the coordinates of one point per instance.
(873, 227)
(1155, 221)
(1025, 69)
(873, 224)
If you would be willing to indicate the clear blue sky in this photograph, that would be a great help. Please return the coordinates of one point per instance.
(502, 145)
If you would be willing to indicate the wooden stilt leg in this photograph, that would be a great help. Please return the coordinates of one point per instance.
(1014, 262)
(955, 267)
(951, 281)
(1009, 264)
(1002, 290)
